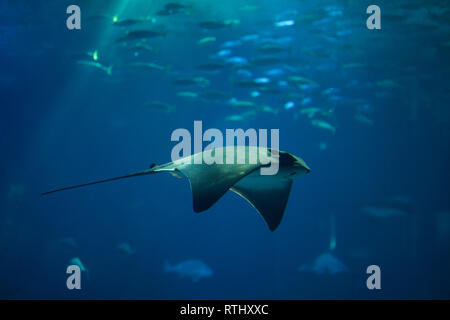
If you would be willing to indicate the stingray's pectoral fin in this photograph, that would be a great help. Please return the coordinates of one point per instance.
(210, 182)
(269, 197)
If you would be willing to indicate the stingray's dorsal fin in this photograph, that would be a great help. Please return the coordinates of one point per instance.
(210, 182)
(267, 195)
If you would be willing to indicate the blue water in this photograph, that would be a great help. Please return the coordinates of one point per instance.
(64, 123)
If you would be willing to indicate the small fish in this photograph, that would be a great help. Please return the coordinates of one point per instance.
(194, 269)
(125, 248)
(172, 8)
(223, 53)
(76, 261)
(271, 48)
(268, 109)
(240, 61)
(234, 117)
(142, 47)
(244, 73)
(326, 263)
(240, 117)
(213, 25)
(289, 105)
(231, 44)
(285, 23)
(306, 100)
(148, 65)
(275, 72)
(96, 65)
(330, 91)
(200, 81)
(241, 103)
(262, 80)
(140, 34)
(310, 112)
(323, 125)
(250, 37)
(363, 119)
(300, 79)
(127, 22)
(187, 94)
(206, 40)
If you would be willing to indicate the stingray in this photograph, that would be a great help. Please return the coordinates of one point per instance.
(268, 194)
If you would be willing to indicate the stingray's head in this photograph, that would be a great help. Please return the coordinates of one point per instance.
(293, 165)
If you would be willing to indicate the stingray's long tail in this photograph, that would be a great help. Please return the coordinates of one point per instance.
(140, 173)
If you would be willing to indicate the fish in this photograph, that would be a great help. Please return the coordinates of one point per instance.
(141, 47)
(231, 44)
(363, 119)
(284, 23)
(271, 48)
(326, 263)
(76, 261)
(96, 65)
(289, 105)
(206, 40)
(323, 125)
(268, 194)
(125, 248)
(187, 94)
(300, 79)
(140, 34)
(128, 22)
(194, 269)
(172, 8)
(200, 81)
(148, 65)
(241, 103)
(310, 112)
(237, 61)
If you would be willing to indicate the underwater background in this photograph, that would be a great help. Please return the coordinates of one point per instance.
(368, 110)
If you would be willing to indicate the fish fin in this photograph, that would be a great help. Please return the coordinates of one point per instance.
(209, 182)
(266, 194)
